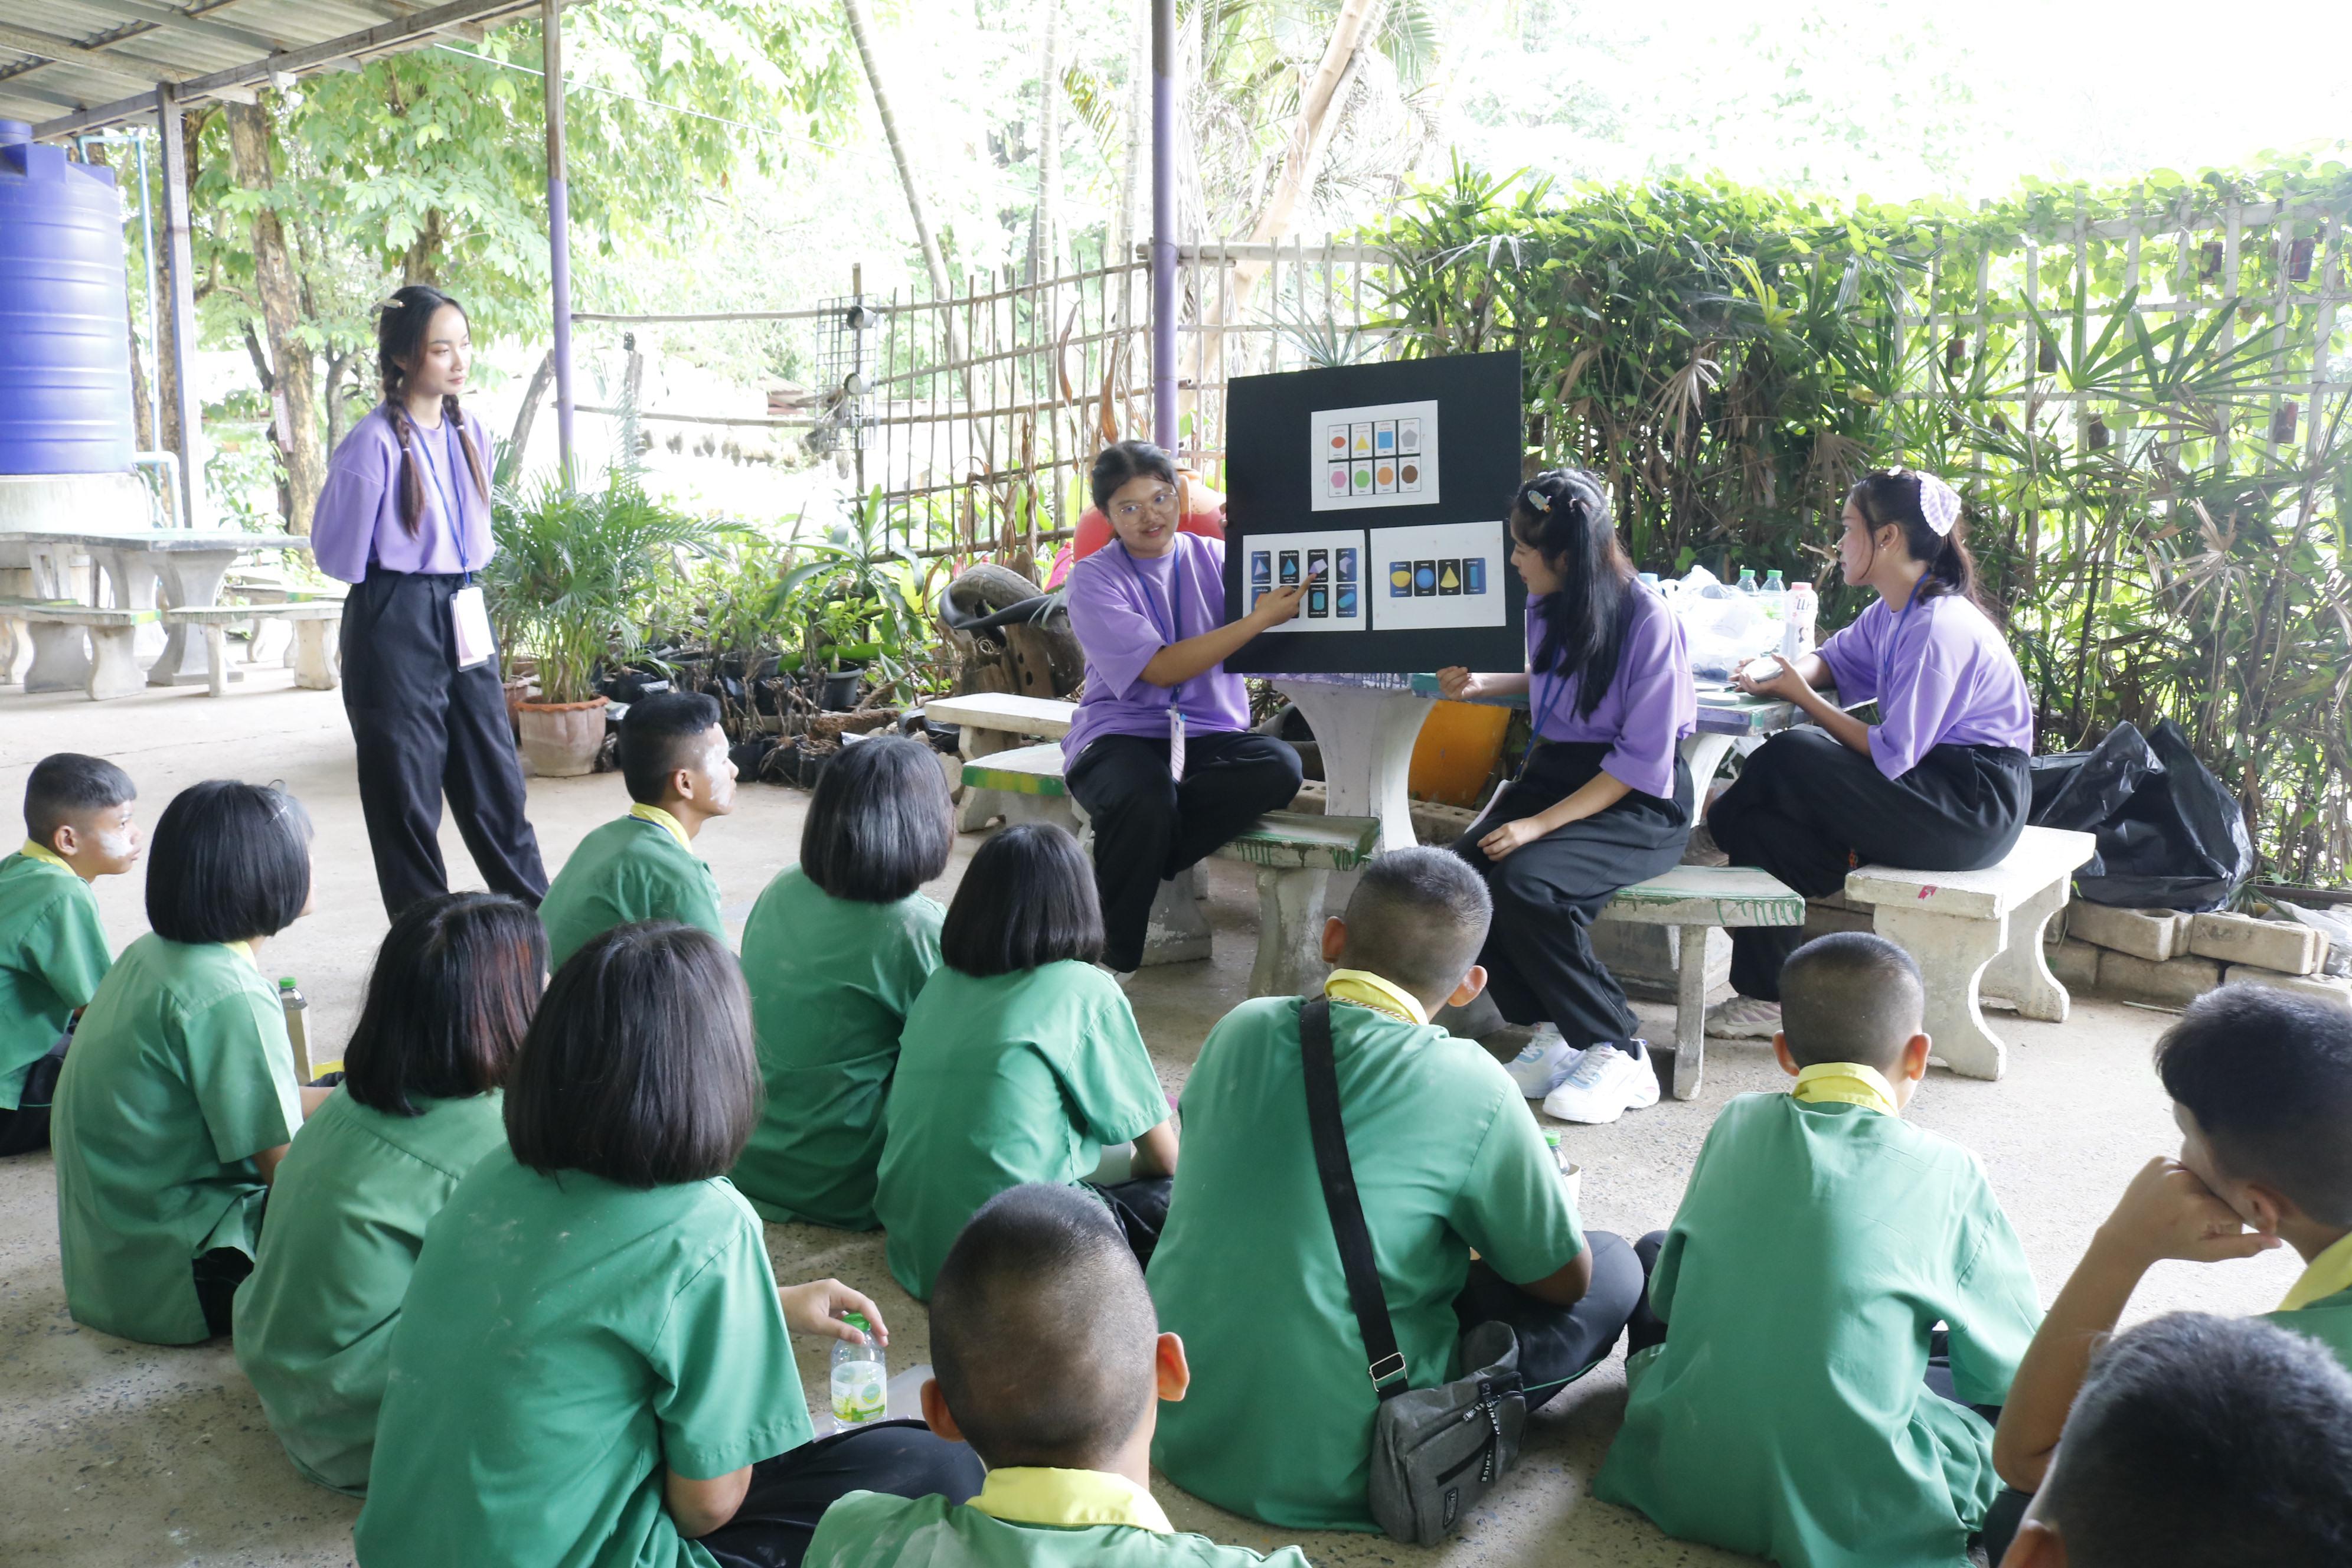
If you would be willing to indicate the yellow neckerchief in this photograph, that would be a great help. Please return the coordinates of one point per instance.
(1846, 1083)
(1367, 989)
(243, 949)
(32, 852)
(663, 819)
(1030, 1494)
(2329, 1274)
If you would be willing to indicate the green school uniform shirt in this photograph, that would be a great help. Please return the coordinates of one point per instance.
(1278, 1422)
(633, 869)
(832, 981)
(1084, 1522)
(1816, 1246)
(347, 1215)
(564, 1341)
(52, 956)
(1010, 1079)
(180, 1073)
(2320, 1305)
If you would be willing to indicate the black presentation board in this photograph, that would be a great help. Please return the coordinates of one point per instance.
(1384, 486)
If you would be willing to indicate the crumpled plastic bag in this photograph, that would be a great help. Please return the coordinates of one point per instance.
(2170, 835)
(1724, 627)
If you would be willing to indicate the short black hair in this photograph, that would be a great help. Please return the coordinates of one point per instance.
(881, 824)
(229, 862)
(2268, 1075)
(67, 784)
(639, 1065)
(2206, 1442)
(1850, 996)
(451, 992)
(1124, 460)
(658, 737)
(1044, 1335)
(1418, 918)
(1026, 900)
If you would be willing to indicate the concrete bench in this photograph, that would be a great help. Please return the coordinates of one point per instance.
(1295, 854)
(1696, 898)
(58, 625)
(315, 622)
(989, 723)
(1026, 784)
(1977, 933)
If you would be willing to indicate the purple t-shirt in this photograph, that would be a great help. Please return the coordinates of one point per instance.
(1941, 674)
(1125, 609)
(1649, 705)
(358, 518)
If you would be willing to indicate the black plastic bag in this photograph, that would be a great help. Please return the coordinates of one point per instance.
(2170, 836)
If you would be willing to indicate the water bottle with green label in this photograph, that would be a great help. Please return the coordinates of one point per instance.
(861, 1378)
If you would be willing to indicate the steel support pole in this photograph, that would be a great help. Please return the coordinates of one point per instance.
(1163, 223)
(180, 261)
(559, 235)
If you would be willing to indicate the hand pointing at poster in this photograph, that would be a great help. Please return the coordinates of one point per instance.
(1180, 661)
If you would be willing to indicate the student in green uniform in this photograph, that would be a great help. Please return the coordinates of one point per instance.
(1802, 1407)
(53, 954)
(2260, 1083)
(594, 1367)
(453, 990)
(1447, 1158)
(2199, 1441)
(835, 953)
(644, 868)
(179, 1099)
(1020, 1061)
(1051, 1363)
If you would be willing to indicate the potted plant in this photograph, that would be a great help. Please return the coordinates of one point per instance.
(574, 574)
(867, 607)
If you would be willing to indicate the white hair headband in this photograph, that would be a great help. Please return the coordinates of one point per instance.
(1940, 503)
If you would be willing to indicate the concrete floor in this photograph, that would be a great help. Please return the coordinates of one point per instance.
(114, 1453)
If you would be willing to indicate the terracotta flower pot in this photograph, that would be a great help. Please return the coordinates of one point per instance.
(559, 739)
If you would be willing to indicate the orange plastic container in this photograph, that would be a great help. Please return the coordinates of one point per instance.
(1456, 753)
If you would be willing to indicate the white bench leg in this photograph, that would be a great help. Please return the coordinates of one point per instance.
(1053, 808)
(2021, 974)
(1290, 932)
(314, 655)
(216, 664)
(114, 663)
(1690, 1012)
(1176, 933)
(60, 657)
(975, 806)
(1952, 955)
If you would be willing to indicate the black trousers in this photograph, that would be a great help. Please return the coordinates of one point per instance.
(790, 1492)
(1148, 827)
(1539, 962)
(26, 1128)
(1559, 1345)
(424, 728)
(1808, 809)
(1140, 1206)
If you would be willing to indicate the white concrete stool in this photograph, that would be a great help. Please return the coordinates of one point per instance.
(989, 723)
(1295, 854)
(1696, 899)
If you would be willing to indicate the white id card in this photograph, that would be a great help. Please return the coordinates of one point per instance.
(471, 620)
(1176, 744)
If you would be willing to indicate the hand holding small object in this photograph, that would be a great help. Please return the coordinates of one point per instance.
(1770, 676)
(816, 1308)
(1459, 685)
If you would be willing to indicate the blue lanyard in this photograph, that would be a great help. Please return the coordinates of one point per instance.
(442, 493)
(1886, 649)
(1173, 631)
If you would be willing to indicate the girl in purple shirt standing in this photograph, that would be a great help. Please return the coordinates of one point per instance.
(1603, 802)
(1161, 753)
(1939, 784)
(405, 517)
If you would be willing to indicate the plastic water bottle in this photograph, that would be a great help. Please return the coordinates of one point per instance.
(1797, 622)
(297, 1028)
(861, 1379)
(1746, 584)
(1571, 1174)
(1772, 601)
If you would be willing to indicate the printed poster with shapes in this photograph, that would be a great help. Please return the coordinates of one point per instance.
(1330, 564)
(1438, 576)
(1383, 454)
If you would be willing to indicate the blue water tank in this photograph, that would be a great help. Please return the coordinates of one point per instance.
(65, 346)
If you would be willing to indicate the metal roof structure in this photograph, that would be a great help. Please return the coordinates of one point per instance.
(68, 66)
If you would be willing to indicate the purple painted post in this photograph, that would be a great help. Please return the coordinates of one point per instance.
(1163, 223)
(559, 231)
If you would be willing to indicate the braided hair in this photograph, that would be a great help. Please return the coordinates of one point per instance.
(400, 331)
(1564, 516)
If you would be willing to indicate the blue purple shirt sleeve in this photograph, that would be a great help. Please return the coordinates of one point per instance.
(1118, 630)
(1112, 625)
(1948, 680)
(1851, 654)
(1655, 700)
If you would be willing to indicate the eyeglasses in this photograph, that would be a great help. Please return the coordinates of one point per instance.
(1158, 501)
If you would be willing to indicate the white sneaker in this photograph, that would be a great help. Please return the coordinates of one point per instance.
(1608, 1081)
(1744, 1018)
(1543, 1064)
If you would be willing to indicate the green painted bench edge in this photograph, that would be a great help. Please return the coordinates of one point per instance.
(231, 614)
(67, 610)
(979, 774)
(1728, 912)
(1305, 841)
